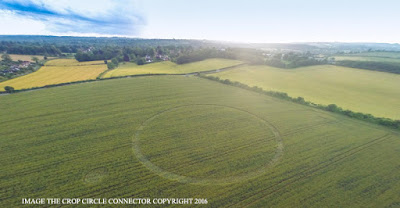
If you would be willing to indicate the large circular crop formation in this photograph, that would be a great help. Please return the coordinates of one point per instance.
(207, 144)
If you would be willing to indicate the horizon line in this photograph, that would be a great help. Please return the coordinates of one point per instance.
(225, 41)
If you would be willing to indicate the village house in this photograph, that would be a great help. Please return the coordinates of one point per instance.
(24, 64)
(148, 59)
(162, 57)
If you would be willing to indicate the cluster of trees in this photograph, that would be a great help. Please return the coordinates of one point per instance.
(202, 54)
(293, 60)
(132, 54)
(250, 56)
(332, 107)
(113, 64)
(122, 54)
(372, 65)
(30, 48)
(98, 54)
(6, 58)
(9, 89)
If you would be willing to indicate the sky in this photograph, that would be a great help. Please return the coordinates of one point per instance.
(250, 21)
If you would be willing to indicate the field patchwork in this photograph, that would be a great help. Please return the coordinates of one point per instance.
(56, 72)
(168, 67)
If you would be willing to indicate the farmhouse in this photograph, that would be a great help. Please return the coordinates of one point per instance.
(24, 64)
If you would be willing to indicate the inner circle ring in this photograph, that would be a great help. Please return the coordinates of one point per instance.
(186, 179)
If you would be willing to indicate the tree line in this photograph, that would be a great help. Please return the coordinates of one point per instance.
(58, 46)
(371, 65)
(30, 49)
(293, 60)
(250, 56)
(331, 107)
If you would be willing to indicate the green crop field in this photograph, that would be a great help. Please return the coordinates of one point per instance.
(187, 137)
(167, 67)
(383, 57)
(392, 55)
(368, 58)
(377, 93)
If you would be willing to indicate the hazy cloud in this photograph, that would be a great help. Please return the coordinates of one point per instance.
(79, 16)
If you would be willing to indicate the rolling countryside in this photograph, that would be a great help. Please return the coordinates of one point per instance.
(211, 104)
(184, 136)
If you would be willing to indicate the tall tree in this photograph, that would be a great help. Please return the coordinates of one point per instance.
(6, 57)
(35, 59)
(9, 89)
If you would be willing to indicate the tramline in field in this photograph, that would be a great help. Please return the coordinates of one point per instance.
(88, 148)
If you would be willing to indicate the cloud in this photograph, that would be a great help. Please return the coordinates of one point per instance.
(105, 17)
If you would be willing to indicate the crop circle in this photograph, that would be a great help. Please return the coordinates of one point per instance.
(207, 144)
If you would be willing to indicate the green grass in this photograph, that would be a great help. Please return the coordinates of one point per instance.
(368, 58)
(167, 67)
(392, 55)
(377, 93)
(383, 57)
(82, 141)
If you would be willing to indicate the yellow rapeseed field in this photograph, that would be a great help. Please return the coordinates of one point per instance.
(72, 62)
(56, 72)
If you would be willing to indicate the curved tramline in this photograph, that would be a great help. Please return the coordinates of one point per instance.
(305, 174)
(236, 146)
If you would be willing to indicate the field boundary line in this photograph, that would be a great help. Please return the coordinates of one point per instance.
(97, 79)
(381, 121)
